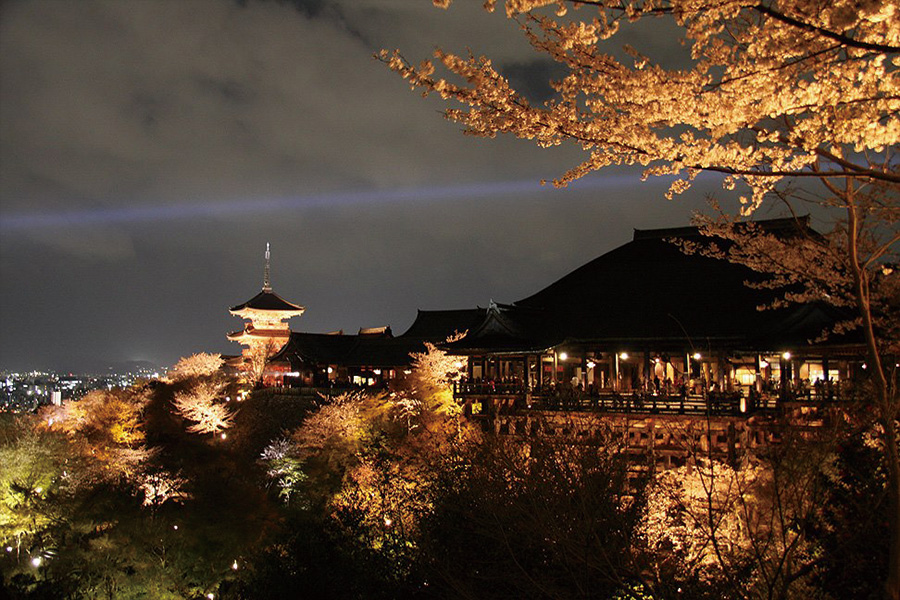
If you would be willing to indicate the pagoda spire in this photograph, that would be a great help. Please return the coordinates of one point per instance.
(267, 286)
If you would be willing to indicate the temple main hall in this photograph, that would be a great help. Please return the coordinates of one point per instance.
(640, 323)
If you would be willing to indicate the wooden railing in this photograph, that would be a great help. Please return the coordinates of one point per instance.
(500, 398)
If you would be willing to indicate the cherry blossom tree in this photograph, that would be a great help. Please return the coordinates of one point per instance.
(196, 365)
(430, 389)
(436, 366)
(256, 357)
(201, 404)
(797, 99)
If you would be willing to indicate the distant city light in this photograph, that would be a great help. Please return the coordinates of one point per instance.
(786, 356)
(624, 356)
(697, 356)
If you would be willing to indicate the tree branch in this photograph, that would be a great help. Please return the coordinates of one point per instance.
(839, 37)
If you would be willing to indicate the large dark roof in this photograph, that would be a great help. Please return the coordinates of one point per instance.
(645, 292)
(438, 325)
(349, 350)
(375, 347)
(649, 291)
(267, 300)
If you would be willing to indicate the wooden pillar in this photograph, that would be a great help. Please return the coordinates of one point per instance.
(616, 385)
(758, 384)
(648, 380)
(584, 381)
(784, 375)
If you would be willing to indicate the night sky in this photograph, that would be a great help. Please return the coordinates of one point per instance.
(150, 149)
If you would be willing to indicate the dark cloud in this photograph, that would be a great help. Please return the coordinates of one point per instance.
(533, 78)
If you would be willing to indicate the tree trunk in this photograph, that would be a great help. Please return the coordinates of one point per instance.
(884, 404)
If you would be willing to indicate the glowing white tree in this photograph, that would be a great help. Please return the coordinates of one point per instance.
(199, 404)
(196, 365)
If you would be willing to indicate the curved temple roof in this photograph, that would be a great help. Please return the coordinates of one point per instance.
(268, 300)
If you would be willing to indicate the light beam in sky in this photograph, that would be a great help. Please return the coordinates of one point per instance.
(187, 210)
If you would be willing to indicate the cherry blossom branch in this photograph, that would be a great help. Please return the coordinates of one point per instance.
(839, 37)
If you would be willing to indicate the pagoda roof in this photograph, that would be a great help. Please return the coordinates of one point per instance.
(267, 300)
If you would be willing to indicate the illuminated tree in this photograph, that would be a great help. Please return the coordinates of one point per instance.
(31, 480)
(202, 404)
(284, 467)
(159, 487)
(256, 357)
(196, 365)
(105, 425)
(332, 439)
(435, 367)
(778, 97)
(772, 91)
(710, 522)
(429, 389)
